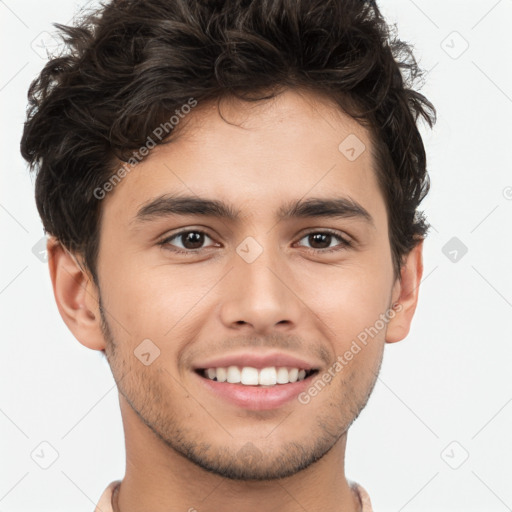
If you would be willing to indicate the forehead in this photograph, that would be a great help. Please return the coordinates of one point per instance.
(257, 155)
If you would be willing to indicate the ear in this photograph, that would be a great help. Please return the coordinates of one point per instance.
(405, 295)
(76, 296)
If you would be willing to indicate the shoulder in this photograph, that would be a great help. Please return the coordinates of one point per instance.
(105, 501)
(364, 498)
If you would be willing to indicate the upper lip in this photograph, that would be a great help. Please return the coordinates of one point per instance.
(259, 361)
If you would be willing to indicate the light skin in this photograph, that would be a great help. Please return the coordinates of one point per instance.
(184, 445)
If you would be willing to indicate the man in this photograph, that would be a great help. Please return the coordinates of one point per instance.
(282, 136)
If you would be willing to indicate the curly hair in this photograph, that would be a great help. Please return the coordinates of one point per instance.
(129, 64)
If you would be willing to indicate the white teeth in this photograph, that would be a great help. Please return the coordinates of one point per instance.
(293, 374)
(282, 376)
(268, 376)
(233, 374)
(250, 376)
(222, 374)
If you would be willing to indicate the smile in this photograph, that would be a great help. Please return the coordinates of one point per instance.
(250, 376)
(248, 393)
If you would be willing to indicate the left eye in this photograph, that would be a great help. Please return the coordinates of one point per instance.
(323, 238)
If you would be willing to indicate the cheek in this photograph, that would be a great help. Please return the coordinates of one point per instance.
(155, 301)
(347, 299)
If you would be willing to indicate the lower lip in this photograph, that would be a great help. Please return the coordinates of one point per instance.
(256, 398)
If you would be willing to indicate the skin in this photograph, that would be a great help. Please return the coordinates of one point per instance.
(184, 445)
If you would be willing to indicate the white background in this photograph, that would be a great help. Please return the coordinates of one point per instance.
(448, 381)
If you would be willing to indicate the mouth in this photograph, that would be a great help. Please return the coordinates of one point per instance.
(255, 389)
(250, 376)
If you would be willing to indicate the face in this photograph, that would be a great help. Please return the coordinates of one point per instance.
(183, 289)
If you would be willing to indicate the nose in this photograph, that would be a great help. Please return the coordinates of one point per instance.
(260, 294)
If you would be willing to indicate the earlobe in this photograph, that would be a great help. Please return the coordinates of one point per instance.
(76, 296)
(405, 294)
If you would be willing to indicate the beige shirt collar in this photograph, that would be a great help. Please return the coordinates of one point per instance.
(105, 501)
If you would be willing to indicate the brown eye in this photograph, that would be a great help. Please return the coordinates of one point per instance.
(321, 241)
(191, 241)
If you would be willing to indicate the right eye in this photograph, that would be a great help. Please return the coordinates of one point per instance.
(188, 238)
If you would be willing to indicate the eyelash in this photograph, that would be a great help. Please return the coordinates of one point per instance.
(344, 243)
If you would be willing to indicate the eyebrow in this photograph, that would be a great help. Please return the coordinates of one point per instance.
(331, 207)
